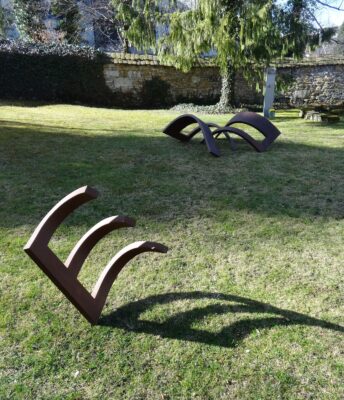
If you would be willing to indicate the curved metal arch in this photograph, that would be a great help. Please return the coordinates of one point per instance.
(117, 263)
(84, 246)
(64, 275)
(239, 132)
(198, 129)
(258, 122)
(54, 218)
(174, 129)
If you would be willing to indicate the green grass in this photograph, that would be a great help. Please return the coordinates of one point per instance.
(248, 303)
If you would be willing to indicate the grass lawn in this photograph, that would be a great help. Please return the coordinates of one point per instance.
(247, 304)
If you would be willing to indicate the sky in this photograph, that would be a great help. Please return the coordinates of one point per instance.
(328, 17)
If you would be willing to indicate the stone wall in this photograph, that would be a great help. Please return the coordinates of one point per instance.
(315, 81)
(137, 79)
(246, 93)
(142, 81)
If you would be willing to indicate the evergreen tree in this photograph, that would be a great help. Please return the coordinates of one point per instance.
(245, 35)
(67, 12)
(2, 22)
(29, 17)
(340, 39)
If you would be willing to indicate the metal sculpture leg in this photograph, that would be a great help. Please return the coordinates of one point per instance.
(231, 142)
(64, 275)
(218, 132)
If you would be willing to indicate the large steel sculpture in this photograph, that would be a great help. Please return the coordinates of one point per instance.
(212, 131)
(65, 275)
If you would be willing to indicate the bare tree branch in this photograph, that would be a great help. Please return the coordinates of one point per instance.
(325, 4)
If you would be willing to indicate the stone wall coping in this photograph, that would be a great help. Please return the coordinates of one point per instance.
(310, 62)
(147, 59)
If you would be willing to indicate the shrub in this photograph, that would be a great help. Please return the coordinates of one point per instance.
(53, 72)
(50, 49)
(156, 93)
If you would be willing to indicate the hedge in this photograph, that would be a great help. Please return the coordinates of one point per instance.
(55, 72)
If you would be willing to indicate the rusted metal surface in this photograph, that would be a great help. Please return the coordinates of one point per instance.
(175, 130)
(64, 275)
(261, 124)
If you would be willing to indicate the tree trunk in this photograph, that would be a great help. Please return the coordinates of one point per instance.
(227, 89)
(125, 45)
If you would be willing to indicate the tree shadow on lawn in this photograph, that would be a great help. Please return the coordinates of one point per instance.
(179, 326)
(151, 175)
(25, 103)
(56, 129)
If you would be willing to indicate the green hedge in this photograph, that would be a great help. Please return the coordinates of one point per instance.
(52, 78)
(54, 73)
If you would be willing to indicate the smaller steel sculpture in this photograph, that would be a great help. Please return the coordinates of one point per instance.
(64, 275)
(212, 131)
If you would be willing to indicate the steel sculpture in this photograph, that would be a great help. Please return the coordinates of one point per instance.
(212, 131)
(65, 275)
(175, 129)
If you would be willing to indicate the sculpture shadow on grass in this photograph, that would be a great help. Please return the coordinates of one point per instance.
(179, 326)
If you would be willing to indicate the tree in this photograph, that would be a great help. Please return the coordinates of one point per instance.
(339, 40)
(29, 17)
(2, 22)
(101, 14)
(67, 12)
(245, 35)
(97, 16)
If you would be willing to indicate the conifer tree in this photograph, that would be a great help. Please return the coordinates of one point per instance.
(67, 12)
(29, 17)
(244, 35)
(2, 22)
